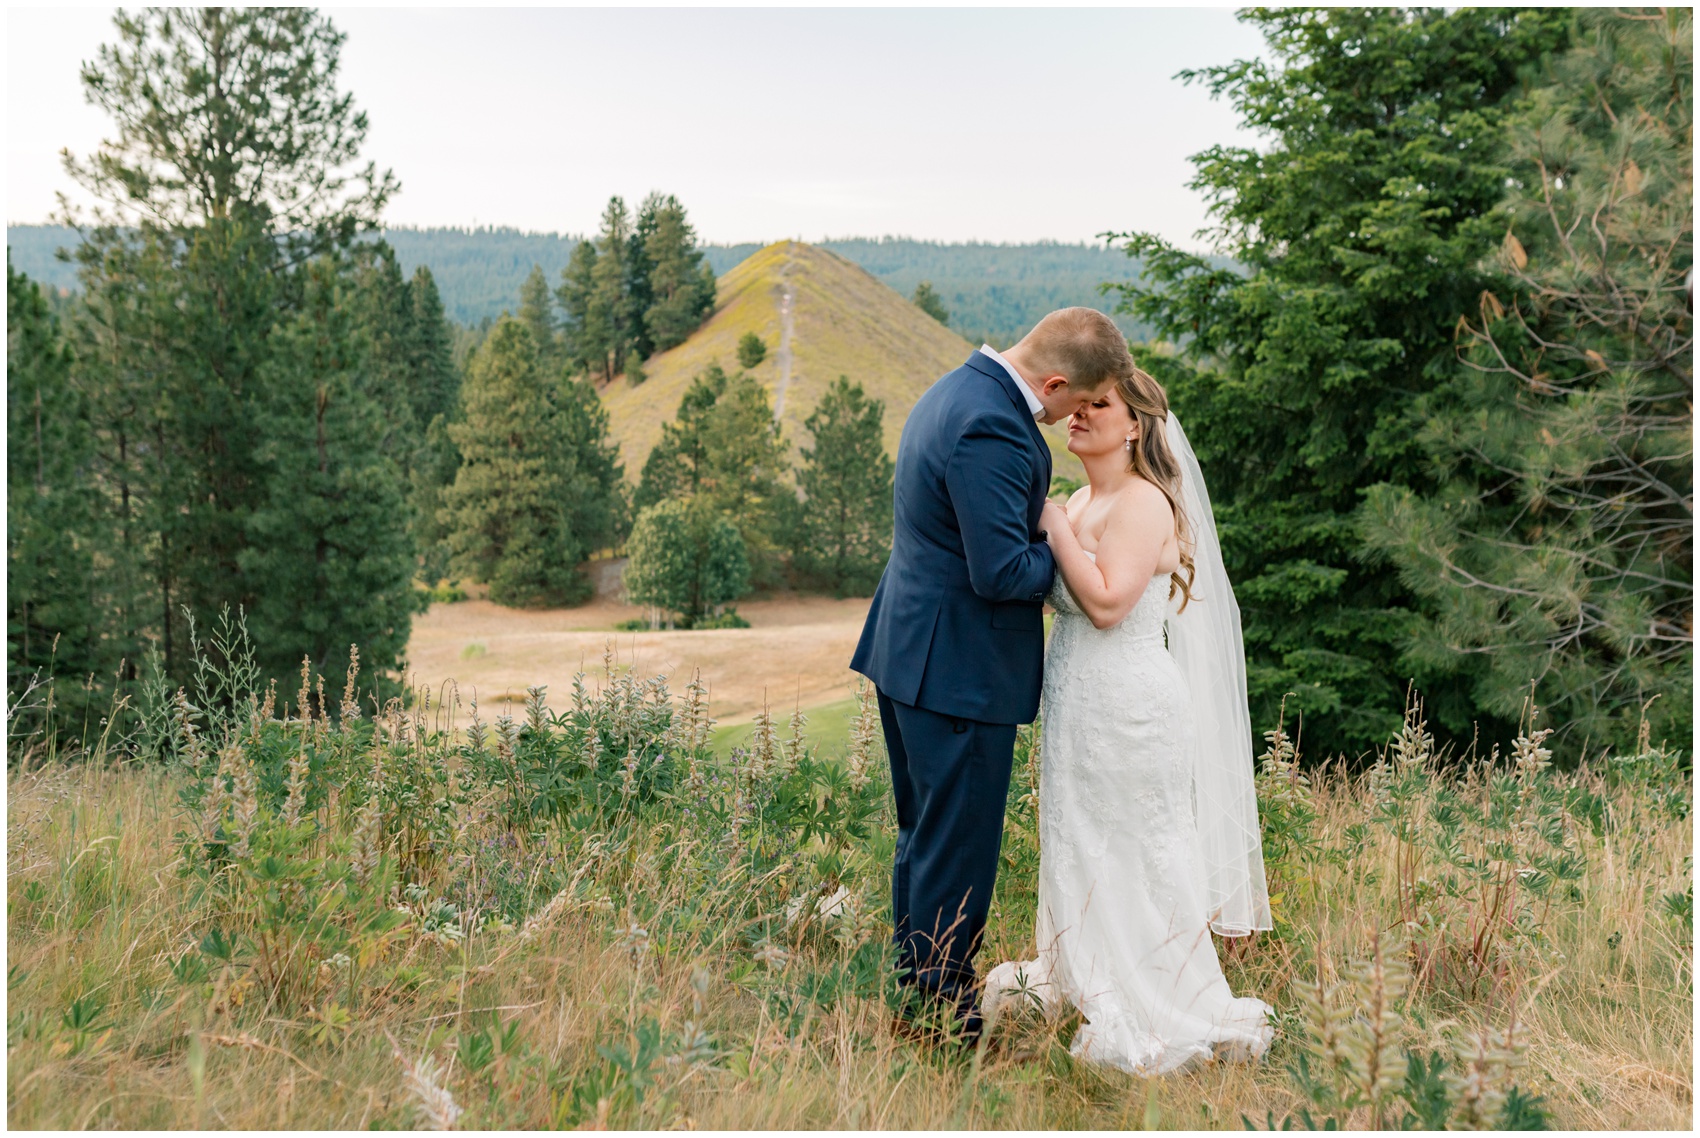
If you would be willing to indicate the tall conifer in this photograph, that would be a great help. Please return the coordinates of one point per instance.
(845, 537)
(537, 488)
(54, 617)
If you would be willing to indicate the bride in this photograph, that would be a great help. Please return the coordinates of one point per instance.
(1148, 817)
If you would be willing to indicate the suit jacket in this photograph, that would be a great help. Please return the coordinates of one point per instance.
(957, 623)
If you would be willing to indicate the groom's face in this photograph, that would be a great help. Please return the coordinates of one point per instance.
(1060, 400)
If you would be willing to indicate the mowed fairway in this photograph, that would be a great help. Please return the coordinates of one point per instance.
(796, 652)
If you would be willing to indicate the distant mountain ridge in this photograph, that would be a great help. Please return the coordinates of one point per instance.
(993, 292)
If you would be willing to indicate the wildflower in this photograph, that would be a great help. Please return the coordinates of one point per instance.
(863, 739)
(475, 734)
(296, 798)
(628, 775)
(772, 955)
(304, 698)
(351, 705)
(536, 714)
(367, 840)
(320, 724)
(194, 751)
(764, 747)
(244, 798)
(635, 940)
(796, 746)
(267, 707)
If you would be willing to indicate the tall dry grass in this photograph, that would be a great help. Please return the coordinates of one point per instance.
(594, 922)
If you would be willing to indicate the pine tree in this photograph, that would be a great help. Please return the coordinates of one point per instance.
(235, 163)
(678, 286)
(436, 379)
(537, 488)
(384, 309)
(330, 560)
(677, 464)
(846, 478)
(583, 336)
(725, 448)
(1558, 546)
(610, 300)
(537, 312)
(928, 301)
(751, 350)
(686, 559)
(1359, 232)
(54, 617)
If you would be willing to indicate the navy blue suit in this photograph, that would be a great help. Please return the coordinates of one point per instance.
(955, 642)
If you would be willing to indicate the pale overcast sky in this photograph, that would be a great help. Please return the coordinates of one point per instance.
(946, 124)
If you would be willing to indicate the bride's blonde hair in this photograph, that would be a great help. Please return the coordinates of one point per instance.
(1151, 459)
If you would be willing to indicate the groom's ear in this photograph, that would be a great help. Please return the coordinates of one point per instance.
(1054, 384)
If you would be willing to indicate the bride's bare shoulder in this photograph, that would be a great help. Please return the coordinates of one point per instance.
(1143, 501)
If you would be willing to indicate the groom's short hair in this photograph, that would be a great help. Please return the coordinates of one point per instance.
(1082, 344)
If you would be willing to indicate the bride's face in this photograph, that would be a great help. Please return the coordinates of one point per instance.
(1101, 426)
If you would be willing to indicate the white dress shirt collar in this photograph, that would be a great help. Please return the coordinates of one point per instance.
(1033, 404)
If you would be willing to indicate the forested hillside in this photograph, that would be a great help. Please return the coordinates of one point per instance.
(991, 292)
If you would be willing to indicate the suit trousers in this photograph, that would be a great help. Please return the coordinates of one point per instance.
(950, 778)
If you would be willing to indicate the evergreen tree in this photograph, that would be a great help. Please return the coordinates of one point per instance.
(434, 470)
(751, 350)
(234, 165)
(54, 616)
(725, 449)
(537, 312)
(1557, 548)
(436, 388)
(1359, 233)
(536, 490)
(584, 334)
(384, 310)
(610, 300)
(330, 560)
(845, 536)
(676, 289)
(928, 301)
(686, 559)
(677, 464)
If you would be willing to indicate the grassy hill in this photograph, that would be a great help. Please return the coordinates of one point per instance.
(843, 321)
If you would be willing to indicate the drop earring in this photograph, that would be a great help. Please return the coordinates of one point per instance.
(1128, 444)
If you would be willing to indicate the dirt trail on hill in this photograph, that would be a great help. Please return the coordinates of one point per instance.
(797, 650)
(783, 357)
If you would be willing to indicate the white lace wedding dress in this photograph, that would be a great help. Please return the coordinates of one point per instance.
(1123, 933)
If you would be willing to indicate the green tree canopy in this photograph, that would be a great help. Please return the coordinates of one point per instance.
(845, 537)
(751, 350)
(329, 559)
(686, 559)
(224, 112)
(675, 284)
(640, 287)
(725, 448)
(537, 311)
(537, 488)
(1359, 231)
(54, 612)
(1557, 547)
(928, 301)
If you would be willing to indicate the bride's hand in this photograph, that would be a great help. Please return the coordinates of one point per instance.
(1052, 520)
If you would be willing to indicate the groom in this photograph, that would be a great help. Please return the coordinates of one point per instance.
(954, 640)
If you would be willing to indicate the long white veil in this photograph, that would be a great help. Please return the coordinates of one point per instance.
(1205, 641)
